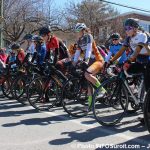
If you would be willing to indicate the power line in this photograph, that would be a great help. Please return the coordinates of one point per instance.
(126, 6)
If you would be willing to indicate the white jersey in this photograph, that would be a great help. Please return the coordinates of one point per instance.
(134, 41)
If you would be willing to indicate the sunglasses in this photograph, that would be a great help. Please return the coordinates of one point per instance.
(128, 28)
(114, 39)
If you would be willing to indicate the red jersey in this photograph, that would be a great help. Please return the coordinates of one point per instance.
(52, 43)
(21, 55)
(3, 58)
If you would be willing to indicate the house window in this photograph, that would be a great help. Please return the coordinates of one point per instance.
(145, 26)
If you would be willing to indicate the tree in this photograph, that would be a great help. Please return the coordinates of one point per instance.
(92, 12)
(27, 16)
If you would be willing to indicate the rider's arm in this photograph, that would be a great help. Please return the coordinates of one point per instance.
(76, 55)
(42, 54)
(56, 55)
(107, 58)
(88, 48)
(88, 52)
(136, 52)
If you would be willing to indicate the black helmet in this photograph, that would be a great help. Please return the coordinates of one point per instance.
(131, 22)
(115, 36)
(27, 37)
(15, 46)
(37, 38)
(45, 30)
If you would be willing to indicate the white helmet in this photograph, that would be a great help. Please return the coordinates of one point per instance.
(79, 27)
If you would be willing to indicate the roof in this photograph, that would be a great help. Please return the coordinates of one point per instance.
(129, 13)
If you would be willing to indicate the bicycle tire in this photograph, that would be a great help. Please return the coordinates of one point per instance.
(39, 102)
(147, 110)
(102, 107)
(74, 98)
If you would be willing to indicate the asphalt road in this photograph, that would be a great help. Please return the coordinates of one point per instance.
(23, 128)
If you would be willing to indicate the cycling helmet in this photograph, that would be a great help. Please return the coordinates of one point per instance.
(79, 27)
(28, 37)
(45, 30)
(37, 38)
(131, 22)
(115, 36)
(15, 46)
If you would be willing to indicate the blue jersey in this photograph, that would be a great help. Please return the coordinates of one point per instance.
(41, 51)
(114, 49)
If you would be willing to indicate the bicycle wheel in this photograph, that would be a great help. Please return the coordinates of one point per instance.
(109, 109)
(74, 97)
(40, 99)
(19, 88)
(147, 110)
(6, 87)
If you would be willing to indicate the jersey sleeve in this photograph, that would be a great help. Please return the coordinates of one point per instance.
(142, 38)
(89, 38)
(108, 56)
(89, 46)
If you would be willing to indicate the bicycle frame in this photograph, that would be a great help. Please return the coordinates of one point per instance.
(123, 77)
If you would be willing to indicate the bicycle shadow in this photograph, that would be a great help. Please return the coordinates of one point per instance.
(141, 142)
(38, 121)
(94, 133)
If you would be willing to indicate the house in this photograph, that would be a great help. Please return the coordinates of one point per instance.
(115, 24)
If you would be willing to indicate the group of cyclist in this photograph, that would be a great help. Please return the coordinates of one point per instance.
(46, 46)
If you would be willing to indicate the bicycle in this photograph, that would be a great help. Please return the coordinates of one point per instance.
(110, 109)
(44, 91)
(74, 92)
(147, 110)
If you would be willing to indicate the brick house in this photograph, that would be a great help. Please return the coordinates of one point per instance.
(115, 24)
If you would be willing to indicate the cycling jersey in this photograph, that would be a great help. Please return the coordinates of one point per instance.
(52, 44)
(63, 51)
(3, 58)
(20, 56)
(133, 42)
(41, 53)
(113, 51)
(57, 48)
(87, 45)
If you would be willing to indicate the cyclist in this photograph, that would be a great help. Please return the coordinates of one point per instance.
(87, 44)
(30, 45)
(64, 57)
(40, 49)
(11, 59)
(114, 48)
(52, 42)
(3, 58)
(136, 40)
(19, 52)
(56, 49)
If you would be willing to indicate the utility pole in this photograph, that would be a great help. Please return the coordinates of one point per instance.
(1, 23)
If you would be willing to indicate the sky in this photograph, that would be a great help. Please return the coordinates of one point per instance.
(143, 4)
